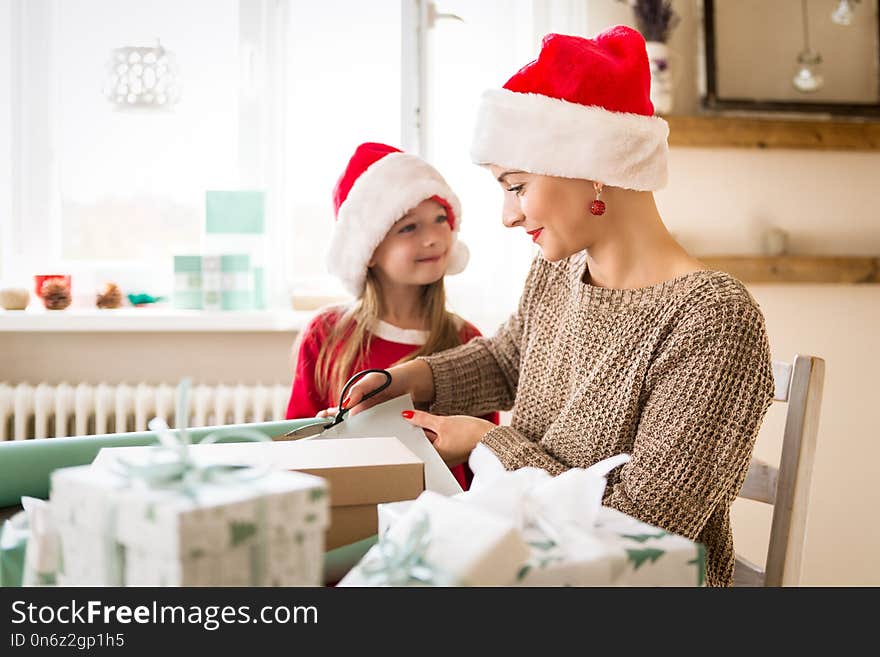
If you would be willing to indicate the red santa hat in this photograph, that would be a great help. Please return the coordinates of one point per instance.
(378, 187)
(582, 109)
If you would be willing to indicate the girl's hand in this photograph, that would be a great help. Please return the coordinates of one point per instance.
(414, 377)
(454, 437)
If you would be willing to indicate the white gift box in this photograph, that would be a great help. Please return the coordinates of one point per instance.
(622, 551)
(573, 540)
(490, 555)
(268, 530)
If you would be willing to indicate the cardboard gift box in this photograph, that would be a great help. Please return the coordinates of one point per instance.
(116, 530)
(360, 474)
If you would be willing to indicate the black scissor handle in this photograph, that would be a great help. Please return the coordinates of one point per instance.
(340, 416)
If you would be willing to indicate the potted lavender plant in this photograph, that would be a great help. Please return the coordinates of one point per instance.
(656, 19)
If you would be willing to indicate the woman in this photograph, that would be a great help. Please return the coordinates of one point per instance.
(622, 342)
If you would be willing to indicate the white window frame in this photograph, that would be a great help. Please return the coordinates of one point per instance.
(413, 75)
(262, 123)
(417, 18)
(32, 214)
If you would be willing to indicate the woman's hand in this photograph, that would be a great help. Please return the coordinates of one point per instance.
(455, 436)
(414, 377)
(328, 412)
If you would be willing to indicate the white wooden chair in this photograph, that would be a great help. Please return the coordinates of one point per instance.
(786, 488)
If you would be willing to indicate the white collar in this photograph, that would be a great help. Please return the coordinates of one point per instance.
(393, 333)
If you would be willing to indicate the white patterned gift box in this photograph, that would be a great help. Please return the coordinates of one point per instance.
(425, 547)
(623, 552)
(267, 531)
(573, 540)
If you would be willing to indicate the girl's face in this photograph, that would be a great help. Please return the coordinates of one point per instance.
(416, 249)
(553, 211)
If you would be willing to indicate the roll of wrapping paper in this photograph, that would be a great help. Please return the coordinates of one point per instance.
(25, 465)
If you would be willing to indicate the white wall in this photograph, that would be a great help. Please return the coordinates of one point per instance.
(838, 323)
(148, 357)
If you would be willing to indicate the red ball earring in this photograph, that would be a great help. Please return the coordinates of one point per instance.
(597, 207)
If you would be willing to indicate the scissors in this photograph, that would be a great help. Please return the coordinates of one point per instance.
(317, 428)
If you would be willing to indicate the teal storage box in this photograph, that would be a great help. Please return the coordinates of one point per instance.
(235, 212)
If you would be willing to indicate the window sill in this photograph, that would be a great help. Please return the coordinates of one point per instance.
(130, 320)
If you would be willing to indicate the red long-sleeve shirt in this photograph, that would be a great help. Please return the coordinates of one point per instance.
(388, 345)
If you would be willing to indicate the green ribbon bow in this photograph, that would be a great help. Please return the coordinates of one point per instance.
(393, 564)
(172, 465)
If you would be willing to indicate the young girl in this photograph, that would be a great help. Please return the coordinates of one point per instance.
(395, 237)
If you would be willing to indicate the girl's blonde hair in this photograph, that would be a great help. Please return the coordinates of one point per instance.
(349, 341)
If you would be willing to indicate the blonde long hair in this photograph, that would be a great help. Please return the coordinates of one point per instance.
(351, 334)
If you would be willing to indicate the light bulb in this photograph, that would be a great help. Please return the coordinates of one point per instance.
(843, 14)
(808, 79)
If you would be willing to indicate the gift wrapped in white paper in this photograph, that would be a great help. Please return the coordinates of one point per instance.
(265, 531)
(162, 517)
(623, 551)
(425, 547)
(573, 539)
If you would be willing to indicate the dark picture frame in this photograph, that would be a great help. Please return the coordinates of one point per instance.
(711, 100)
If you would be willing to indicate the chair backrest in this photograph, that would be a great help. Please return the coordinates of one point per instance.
(787, 488)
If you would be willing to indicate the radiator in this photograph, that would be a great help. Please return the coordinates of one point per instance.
(44, 411)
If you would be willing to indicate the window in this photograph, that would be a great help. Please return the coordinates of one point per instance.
(465, 57)
(118, 192)
(493, 39)
(132, 183)
(275, 95)
(343, 87)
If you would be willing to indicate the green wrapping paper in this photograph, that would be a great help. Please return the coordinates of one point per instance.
(25, 465)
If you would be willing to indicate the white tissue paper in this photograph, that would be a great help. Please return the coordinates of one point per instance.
(573, 540)
(43, 551)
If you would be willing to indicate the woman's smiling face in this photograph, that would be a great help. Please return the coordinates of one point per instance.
(553, 211)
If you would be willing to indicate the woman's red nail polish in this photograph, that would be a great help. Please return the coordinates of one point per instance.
(345, 402)
(407, 414)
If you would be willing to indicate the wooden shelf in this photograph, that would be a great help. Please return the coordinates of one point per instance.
(798, 269)
(747, 132)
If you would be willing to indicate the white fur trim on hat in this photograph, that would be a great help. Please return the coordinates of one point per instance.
(381, 196)
(555, 137)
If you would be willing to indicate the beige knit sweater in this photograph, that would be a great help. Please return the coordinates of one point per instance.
(678, 375)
